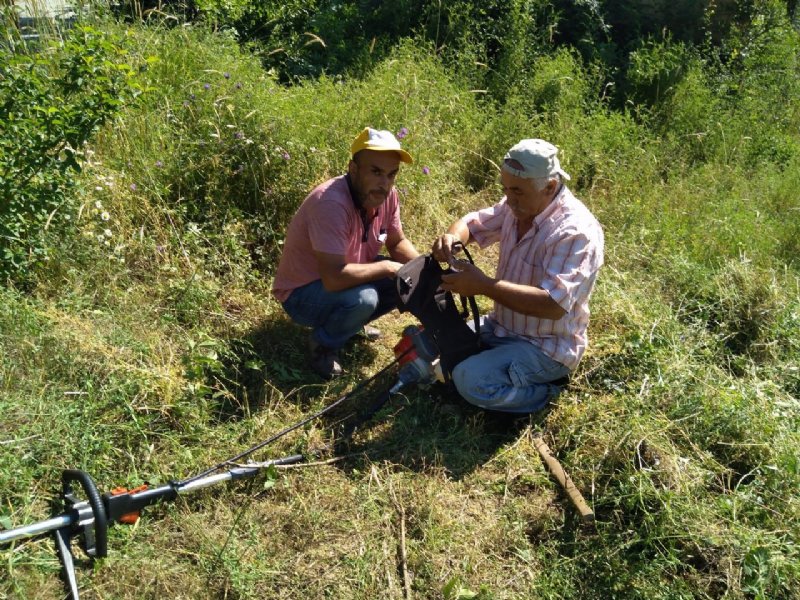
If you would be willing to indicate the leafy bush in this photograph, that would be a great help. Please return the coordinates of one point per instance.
(686, 118)
(654, 69)
(301, 39)
(556, 86)
(758, 62)
(51, 102)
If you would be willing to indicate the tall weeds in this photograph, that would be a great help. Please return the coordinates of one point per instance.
(147, 345)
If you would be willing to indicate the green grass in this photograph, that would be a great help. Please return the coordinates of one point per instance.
(156, 351)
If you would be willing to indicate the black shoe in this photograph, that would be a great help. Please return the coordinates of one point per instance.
(324, 360)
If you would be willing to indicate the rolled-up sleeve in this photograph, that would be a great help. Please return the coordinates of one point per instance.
(485, 225)
(570, 266)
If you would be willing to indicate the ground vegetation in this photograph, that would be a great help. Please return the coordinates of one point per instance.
(150, 160)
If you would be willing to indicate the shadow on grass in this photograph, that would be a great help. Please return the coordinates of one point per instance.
(271, 363)
(435, 428)
(418, 429)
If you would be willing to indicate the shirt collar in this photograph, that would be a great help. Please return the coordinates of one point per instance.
(553, 206)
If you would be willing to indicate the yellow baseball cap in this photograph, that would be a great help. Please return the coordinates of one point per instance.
(380, 140)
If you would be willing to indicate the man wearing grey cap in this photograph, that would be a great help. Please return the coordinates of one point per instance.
(551, 249)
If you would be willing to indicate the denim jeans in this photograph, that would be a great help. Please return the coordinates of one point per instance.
(335, 317)
(512, 376)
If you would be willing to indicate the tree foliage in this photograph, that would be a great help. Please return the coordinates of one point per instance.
(300, 38)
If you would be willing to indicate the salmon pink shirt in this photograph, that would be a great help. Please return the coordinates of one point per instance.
(560, 254)
(328, 221)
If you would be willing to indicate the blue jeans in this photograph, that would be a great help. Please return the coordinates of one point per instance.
(335, 317)
(512, 376)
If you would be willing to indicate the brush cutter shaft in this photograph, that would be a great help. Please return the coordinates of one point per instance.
(236, 473)
(37, 528)
(81, 514)
(119, 505)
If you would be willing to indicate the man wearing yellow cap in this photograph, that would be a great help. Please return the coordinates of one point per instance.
(551, 249)
(330, 276)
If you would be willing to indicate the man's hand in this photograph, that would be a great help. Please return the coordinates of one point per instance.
(468, 280)
(392, 265)
(443, 247)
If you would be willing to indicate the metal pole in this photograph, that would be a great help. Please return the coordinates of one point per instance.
(59, 522)
(144, 497)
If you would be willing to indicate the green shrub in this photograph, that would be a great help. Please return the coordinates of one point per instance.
(687, 119)
(762, 63)
(654, 69)
(51, 103)
(556, 86)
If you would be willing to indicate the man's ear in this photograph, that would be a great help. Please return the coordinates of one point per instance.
(352, 168)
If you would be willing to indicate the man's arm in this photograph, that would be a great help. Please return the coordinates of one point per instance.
(400, 247)
(337, 275)
(469, 280)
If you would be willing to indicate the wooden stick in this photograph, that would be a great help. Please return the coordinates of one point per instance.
(555, 468)
(404, 555)
(402, 543)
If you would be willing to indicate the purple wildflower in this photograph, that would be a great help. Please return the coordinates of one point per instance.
(133, 187)
(238, 85)
(425, 170)
(159, 164)
(226, 75)
(285, 155)
(402, 133)
(207, 86)
(238, 135)
(192, 96)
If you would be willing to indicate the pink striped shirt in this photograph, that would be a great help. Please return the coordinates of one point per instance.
(561, 254)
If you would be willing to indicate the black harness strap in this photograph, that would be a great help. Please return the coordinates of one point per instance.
(418, 285)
